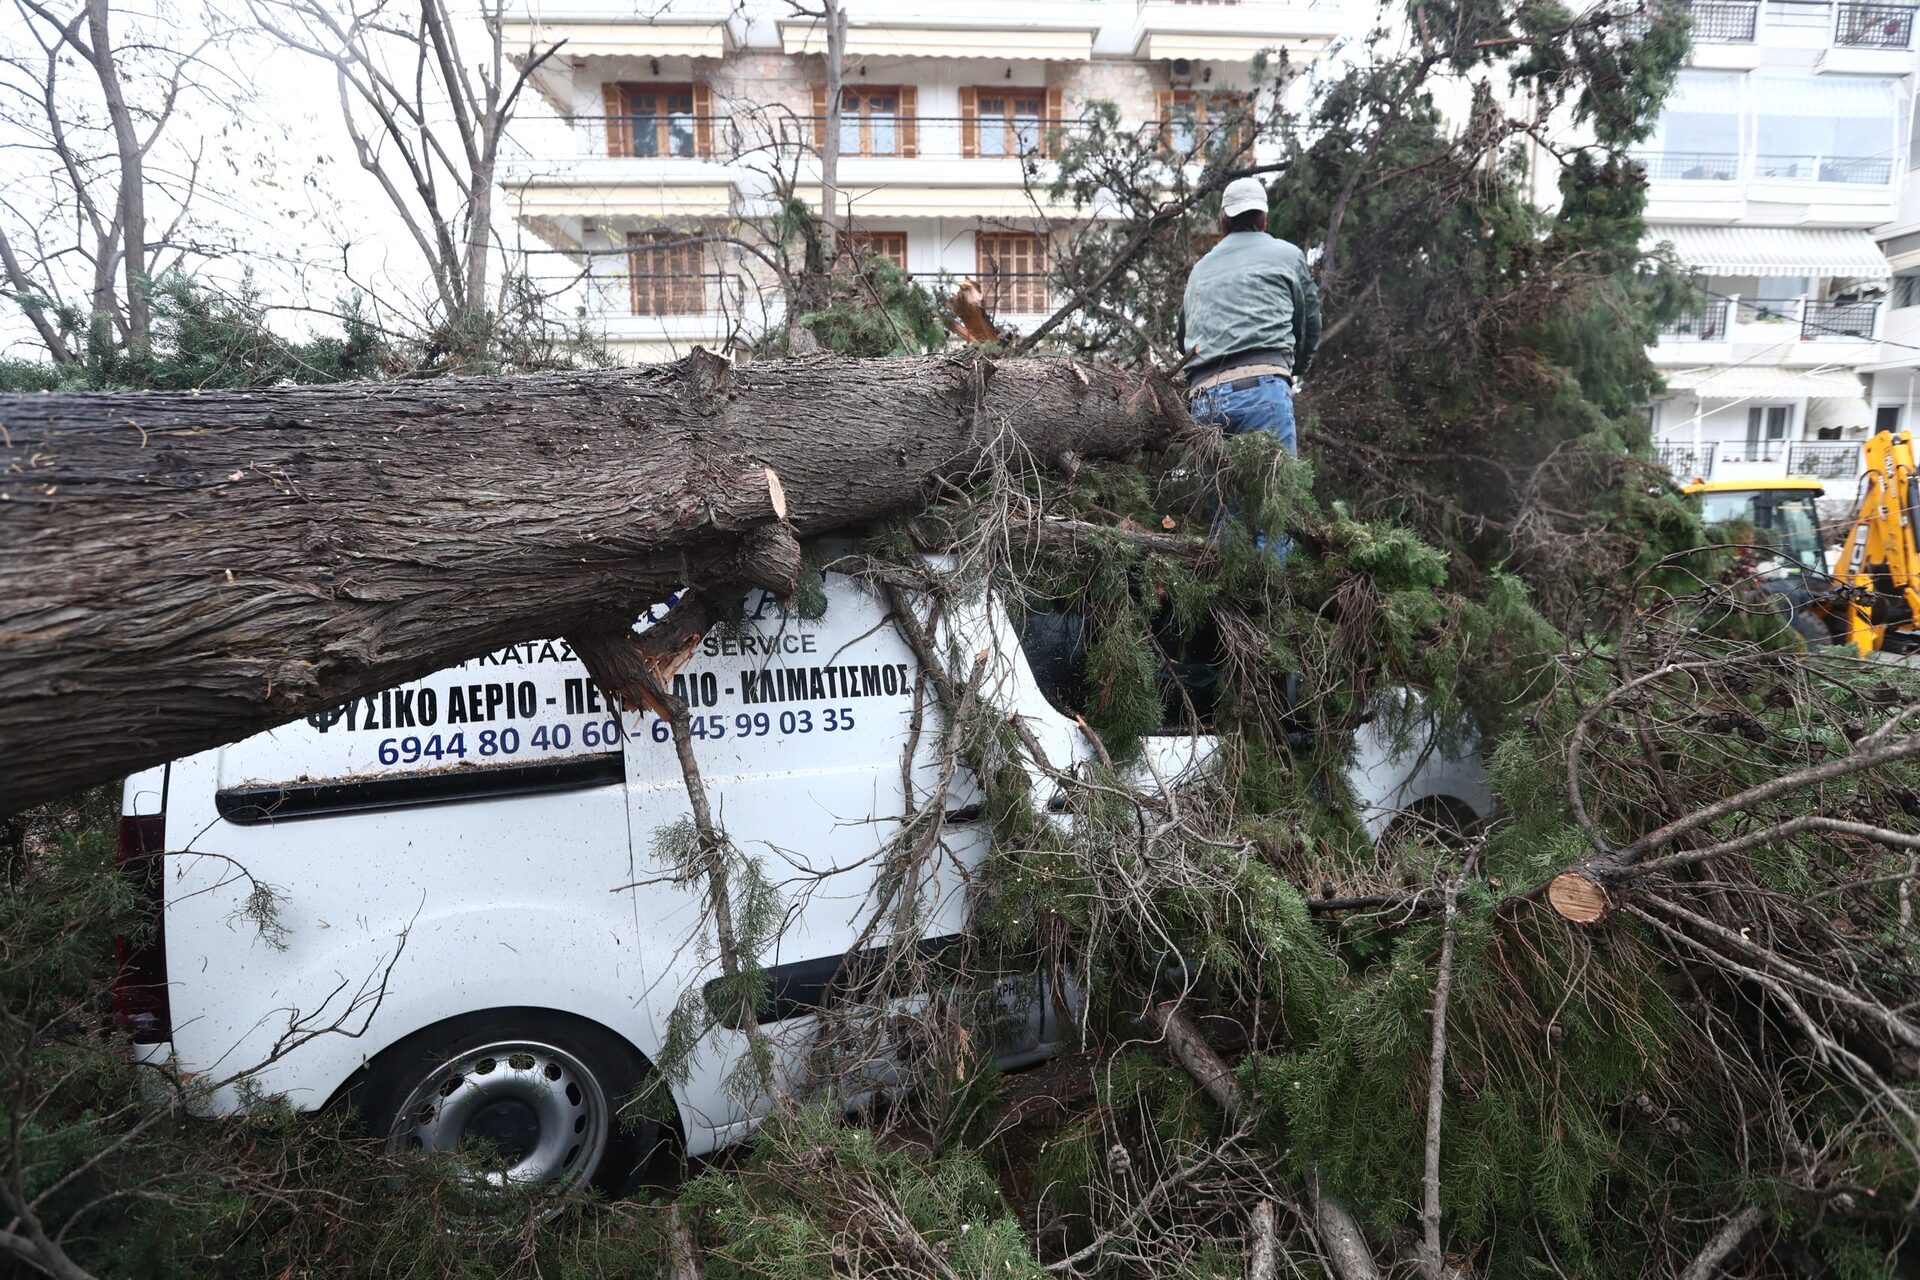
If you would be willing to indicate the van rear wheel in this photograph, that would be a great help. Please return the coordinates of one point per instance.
(522, 1097)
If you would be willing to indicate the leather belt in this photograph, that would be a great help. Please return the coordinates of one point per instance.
(1235, 377)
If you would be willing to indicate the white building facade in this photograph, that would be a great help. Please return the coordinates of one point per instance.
(697, 118)
(1777, 167)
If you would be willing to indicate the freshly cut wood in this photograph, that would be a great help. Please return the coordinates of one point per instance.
(179, 570)
(1578, 897)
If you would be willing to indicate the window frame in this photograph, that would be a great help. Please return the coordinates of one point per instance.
(879, 243)
(863, 94)
(1008, 291)
(680, 298)
(622, 122)
(1007, 120)
(1195, 104)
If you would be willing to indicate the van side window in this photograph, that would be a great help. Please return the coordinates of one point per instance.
(1188, 675)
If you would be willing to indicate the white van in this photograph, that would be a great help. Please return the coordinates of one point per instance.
(442, 903)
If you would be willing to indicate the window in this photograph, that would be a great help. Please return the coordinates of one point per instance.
(1886, 418)
(1012, 270)
(1767, 432)
(875, 120)
(1192, 120)
(658, 119)
(1906, 289)
(1824, 128)
(999, 121)
(666, 281)
(891, 245)
(1775, 297)
(1698, 136)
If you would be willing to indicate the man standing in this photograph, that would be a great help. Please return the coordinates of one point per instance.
(1252, 312)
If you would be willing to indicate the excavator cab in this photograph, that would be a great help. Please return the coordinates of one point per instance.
(1778, 518)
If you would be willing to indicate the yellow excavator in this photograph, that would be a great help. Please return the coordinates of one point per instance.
(1870, 596)
(1876, 591)
(1792, 572)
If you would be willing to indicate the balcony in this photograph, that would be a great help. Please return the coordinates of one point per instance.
(1844, 321)
(1835, 460)
(1860, 170)
(1873, 26)
(1689, 166)
(1233, 31)
(891, 166)
(1721, 166)
(1770, 334)
(1724, 21)
(1704, 323)
(1845, 24)
(1824, 459)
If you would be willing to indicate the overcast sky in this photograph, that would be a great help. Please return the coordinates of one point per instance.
(279, 177)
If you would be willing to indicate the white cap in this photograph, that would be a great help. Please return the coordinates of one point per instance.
(1241, 195)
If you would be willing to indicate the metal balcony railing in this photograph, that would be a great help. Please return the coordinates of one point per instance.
(1766, 310)
(986, 137)
(1824, 460)
(672, 293)
(1846, 320)
(1834, 460)
(1705, 323)
(1737, 452)
(1689, 166)
(658, 137)
(1686, 462)
(1865, 170)
(1002, 292)
(1874, 26)
(1724, 21)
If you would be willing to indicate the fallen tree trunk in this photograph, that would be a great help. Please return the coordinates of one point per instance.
(180, 570)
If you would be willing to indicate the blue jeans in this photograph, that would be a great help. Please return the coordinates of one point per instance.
(1267, 405)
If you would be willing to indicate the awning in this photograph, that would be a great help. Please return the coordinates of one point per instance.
(1775, 251)
(1825, 97)
(1734, 382)
(1709, 93)
(651, 39)
(1001, 43)
(1209, 46)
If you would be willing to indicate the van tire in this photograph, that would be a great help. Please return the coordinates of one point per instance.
(528, 1080)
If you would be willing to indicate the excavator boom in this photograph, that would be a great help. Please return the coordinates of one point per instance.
(1879, 561)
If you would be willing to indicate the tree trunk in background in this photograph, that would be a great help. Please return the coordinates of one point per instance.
(133, 179)
(178, 571)
(836, 24)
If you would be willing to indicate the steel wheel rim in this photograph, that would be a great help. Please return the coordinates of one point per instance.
(489, 1093)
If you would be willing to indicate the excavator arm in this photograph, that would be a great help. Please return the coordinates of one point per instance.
(1880, 567)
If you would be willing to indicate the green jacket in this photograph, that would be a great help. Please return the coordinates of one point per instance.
(1251, 297)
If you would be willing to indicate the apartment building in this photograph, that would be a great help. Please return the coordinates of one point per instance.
(680, 128)
(1782, 150)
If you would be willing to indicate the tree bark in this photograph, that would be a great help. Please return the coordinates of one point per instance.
(133, 180)
(1706, 1265)
(836, 23)
(180, 570)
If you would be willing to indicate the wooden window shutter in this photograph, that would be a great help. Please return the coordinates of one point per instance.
(619, 131)
(820, 117)
(1163, 108)
(1053, 128)
(969, 123)
(703, 120)
(909, 125)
